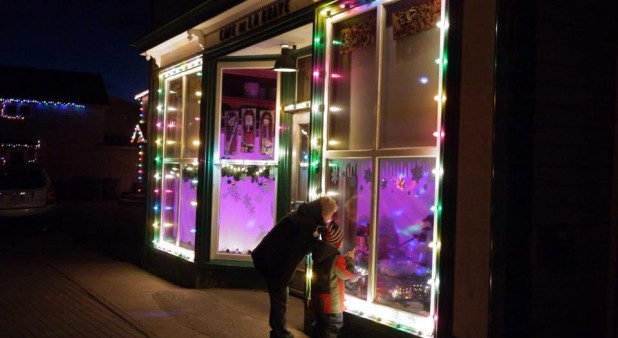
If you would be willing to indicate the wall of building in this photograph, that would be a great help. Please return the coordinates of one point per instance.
(474, 172)
(575, 108)
(74, 151)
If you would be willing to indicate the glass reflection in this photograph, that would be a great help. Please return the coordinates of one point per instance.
(410, 75)
(191, 142)
(173, 118)
(353, 85)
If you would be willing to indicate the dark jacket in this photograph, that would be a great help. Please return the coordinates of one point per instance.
(330, 270)
(285, 246)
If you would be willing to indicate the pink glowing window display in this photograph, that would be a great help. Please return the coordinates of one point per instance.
(406, 196)
(246, 207)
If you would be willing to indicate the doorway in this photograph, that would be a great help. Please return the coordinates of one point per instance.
(300, 159)
(299, 182)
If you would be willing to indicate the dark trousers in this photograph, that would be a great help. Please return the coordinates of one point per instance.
(327, 325)
(278, 308)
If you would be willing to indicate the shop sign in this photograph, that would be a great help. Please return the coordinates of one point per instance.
(260, 17)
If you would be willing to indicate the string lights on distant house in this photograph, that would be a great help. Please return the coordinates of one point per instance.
(17, 103)
(34, 148)
(139, 139)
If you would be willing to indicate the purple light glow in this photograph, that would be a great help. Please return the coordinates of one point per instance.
(246, 213)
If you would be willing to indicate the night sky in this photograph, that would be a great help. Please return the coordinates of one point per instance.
(79, 35)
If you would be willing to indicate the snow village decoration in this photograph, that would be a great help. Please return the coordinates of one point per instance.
(405, 223)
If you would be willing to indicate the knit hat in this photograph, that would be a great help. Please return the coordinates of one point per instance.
(334, 235)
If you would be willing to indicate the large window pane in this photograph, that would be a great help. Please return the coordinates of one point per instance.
(351, 182)
(248, 134)
(169, 203)
(410, 74)
(246, 207)
(180, 141)
(191, 144)
(188, 206)
(406, 194)
(173, 118)
(353, 89)
(248, 114)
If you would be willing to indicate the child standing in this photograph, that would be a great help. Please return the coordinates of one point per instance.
(330, 270)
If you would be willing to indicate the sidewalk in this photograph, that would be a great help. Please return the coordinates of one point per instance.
(54, 286)
(163, 309)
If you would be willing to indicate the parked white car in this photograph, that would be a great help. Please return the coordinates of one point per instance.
(25, 191)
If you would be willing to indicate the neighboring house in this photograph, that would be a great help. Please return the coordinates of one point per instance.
(64, 121)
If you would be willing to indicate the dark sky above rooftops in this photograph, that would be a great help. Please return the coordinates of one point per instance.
(79, 35)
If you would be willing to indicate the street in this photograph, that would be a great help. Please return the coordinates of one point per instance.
(38, 298)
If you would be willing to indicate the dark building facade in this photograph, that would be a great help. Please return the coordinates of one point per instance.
(65, 122)
(471, 147)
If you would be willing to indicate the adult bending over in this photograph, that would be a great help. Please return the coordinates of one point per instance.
(283, 248)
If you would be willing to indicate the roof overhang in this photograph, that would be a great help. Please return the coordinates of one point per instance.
(191, 40)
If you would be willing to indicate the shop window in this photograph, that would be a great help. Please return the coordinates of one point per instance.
(406, 195)
(169, 214)
(178, 141)
(245, 171)
(246, 207)
(191, 120)
(353, 89)
(248, 114)
(409, 74)
(173, 118)
(387, 53)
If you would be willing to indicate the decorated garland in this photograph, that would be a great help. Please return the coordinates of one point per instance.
(253, 171)
(189, 172)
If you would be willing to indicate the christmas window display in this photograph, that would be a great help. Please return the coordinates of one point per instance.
(245, 170)
(247, 130)
(405, 227)
(177, 144)
(384, 82)
(246, 207)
